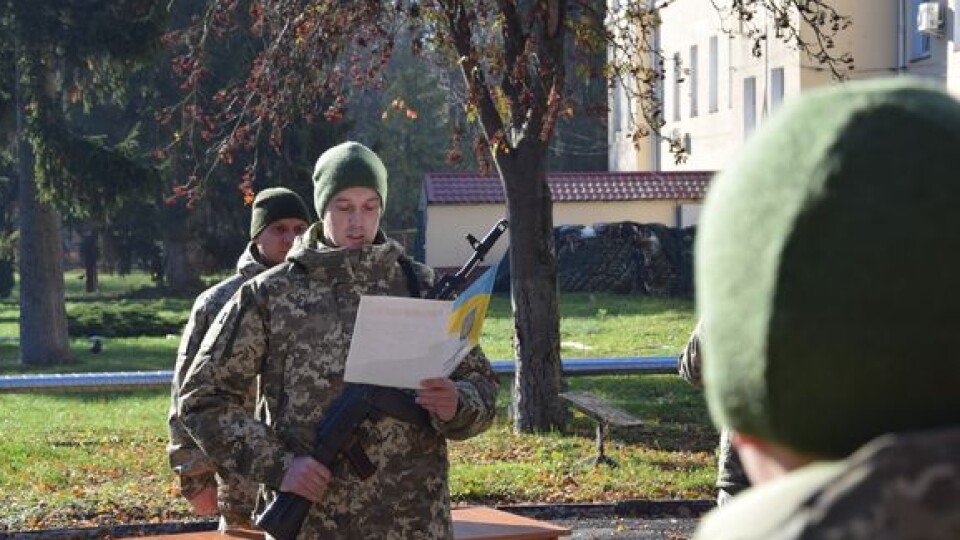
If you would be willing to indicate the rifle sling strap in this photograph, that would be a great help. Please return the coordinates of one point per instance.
(392, 401)
(359, 460)
(413, 282)
(400, 405)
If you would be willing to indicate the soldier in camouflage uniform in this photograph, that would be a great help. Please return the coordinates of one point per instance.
(292, 327)
(278, 215)
(731, 478)
(826, 274)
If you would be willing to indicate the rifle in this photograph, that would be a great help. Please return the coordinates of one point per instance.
(335, 435)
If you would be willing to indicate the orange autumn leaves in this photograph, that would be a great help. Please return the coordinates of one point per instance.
(400, 107)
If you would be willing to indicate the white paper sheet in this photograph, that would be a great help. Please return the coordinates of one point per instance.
(401, 341)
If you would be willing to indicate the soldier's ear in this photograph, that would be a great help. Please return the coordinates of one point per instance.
(765, 460)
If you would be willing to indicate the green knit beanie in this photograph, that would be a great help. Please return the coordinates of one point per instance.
(347, 165)
(276, 203)
(827, 265)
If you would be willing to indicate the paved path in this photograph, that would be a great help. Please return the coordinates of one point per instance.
(630, 528)
(583, 529)
(624, 520)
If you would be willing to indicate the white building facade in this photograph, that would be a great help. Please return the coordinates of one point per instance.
(716, 90)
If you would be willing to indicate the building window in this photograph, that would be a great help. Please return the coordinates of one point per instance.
(616, 111)
(956, 28)
(919, 42)
(677, 78)
(776, 88)
(693, 81)
(749, 106)
(714, 75)
(730, 73)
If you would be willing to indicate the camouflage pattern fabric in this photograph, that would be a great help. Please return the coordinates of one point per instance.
(896, 487)
(690, 362)
(731, 478)
(292, 326)
(236, 496)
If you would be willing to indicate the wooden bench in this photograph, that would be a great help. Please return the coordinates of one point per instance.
(604, 415)
(478, 523)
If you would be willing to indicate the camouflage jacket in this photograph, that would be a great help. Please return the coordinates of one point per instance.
(292, 326)
(730, 474)
(896, 487)
(237, 496)
(690, 362)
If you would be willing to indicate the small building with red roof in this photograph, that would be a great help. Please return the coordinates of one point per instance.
(456, 204)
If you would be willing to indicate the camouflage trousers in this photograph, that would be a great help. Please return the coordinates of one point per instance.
(731, 478)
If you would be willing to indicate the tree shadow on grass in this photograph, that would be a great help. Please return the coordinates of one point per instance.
(663, 437)
(589, 304)
(141, 293)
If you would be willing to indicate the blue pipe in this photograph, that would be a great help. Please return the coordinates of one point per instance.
(145, 380)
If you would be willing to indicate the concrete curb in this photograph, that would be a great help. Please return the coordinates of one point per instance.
(636, 508)
(112, 531)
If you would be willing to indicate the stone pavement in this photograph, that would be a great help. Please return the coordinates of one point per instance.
(630, 528)
(624, 520)
(582, 529)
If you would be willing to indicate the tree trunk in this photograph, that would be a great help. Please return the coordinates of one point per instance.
(90, 251)
(537, 406)
(179, 274)
(43, 316)
(519, 146)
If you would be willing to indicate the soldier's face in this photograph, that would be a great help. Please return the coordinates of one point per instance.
(352, 218)
(276, 239)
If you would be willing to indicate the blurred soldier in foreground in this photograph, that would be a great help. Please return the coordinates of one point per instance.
(291, 326)
(826, 271)
(278, 216)
(731, 478)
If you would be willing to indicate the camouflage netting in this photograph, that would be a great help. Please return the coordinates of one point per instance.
(624, 258)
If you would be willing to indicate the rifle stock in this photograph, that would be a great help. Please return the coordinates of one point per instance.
(284, 517)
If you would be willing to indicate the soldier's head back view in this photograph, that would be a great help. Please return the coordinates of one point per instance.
(826, 270)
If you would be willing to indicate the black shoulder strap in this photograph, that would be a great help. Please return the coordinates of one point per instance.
(413, 282)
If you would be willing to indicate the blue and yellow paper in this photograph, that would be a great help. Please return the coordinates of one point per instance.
(470, 308)
(400, 341)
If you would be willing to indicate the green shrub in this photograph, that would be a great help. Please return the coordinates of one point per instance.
(122, 319)
(6, 278)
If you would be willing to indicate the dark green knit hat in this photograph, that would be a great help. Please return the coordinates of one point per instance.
(347, 165)
(276, 203)
(827, 266)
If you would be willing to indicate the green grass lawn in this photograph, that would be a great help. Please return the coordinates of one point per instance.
(83, 459)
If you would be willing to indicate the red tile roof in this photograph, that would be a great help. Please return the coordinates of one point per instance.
(467, 188)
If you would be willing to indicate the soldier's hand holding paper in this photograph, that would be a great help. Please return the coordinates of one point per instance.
(438, 396)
